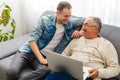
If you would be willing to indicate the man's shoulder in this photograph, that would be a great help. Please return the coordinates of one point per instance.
(105, 41)
(47, 17)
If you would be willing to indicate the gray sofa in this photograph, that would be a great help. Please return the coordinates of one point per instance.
(9, 48)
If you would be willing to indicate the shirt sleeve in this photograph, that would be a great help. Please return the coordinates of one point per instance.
(37, 30)
(77, 22)
(110, 57)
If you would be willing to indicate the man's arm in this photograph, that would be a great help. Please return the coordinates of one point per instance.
(112, 67)
(37, 53)
(77, 22)
(110, 58)
(77, 25)
(36, 33)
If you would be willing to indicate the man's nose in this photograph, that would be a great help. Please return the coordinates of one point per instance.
(83, 27)
(67, 18)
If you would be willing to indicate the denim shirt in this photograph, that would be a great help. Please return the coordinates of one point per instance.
(45, 29)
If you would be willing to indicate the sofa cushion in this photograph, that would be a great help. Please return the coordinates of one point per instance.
(112, 34)
(4, 63)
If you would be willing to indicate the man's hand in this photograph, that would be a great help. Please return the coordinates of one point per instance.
(43, 61)
(93, 73)
(77, 34)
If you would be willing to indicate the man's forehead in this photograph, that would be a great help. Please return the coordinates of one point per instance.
(89, 20)
(66, 11)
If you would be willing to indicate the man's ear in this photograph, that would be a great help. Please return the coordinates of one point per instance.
(57, 12)
(96, 29)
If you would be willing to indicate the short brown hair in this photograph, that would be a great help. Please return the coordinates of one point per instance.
(63, 5)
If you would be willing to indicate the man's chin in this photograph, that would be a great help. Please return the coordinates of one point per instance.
(64, 22)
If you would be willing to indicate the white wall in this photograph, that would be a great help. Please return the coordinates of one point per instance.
(32, 9)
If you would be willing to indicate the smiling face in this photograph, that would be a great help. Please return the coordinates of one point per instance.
(63, 16)
(90, 28)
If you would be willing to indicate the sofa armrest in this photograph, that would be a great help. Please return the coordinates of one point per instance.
(10, 47)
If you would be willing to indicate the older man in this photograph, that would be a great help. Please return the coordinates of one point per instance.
(94, 51)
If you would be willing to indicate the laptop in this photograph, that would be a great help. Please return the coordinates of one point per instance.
(58, 63)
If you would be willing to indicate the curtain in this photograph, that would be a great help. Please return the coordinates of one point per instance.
(107, 10)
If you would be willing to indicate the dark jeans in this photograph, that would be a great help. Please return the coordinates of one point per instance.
(20, 61)
(61, 76)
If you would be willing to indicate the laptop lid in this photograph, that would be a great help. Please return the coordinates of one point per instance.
(58, 62)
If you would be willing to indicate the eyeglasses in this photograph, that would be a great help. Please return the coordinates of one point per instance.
(86, 24)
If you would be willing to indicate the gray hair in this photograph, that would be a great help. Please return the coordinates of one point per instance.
(63, 5)
(97, 22)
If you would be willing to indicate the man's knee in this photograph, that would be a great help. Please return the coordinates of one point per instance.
(44, 68)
